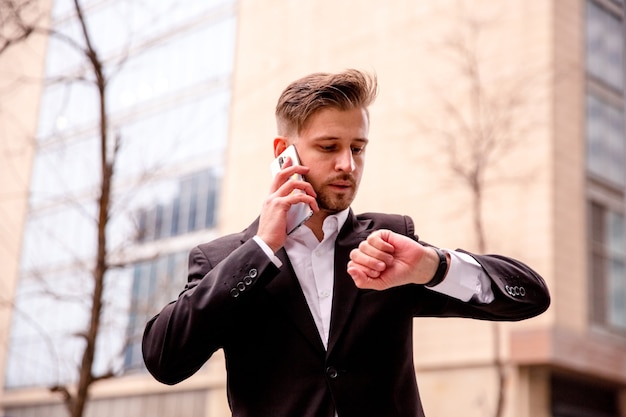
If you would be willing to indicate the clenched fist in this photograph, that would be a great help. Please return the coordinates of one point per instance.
(387, 259)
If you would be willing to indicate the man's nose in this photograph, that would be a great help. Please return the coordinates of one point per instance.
(345, 161)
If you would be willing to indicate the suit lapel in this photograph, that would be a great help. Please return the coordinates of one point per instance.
(345, 292)
(287, 293)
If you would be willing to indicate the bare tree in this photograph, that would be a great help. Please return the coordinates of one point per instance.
(483, 124)
(112, 245)
(14, 15)
(18, 20)
(22, 19)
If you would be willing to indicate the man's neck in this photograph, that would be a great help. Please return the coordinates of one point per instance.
(316, 223)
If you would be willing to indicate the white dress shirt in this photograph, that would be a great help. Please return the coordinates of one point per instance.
(313, 263)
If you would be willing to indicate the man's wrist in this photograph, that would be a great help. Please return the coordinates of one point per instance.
(268, 251)
(442, 269)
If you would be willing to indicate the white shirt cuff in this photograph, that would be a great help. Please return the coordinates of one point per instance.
(268, 251)
(465, 280)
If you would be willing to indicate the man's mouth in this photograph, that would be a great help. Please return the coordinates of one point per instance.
(341, 184)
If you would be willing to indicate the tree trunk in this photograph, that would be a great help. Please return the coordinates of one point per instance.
(86, 377)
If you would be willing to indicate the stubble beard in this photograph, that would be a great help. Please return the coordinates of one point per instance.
(333, 202)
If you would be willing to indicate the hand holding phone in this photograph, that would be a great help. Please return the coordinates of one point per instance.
(300, 212)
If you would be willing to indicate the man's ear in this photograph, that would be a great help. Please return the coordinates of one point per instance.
(280, 144)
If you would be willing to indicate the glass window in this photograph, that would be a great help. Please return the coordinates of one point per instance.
(196, 131)
(63, 8)
(155, 283)
(169, 103)
(174, 64)
(606, 164)
(195, 57)
(66, 61)
(604, 46)
(64, 106)
(65, 171)
(59, 237)
(49, 311)
(616, 248)
(190, 208)
(118, 28)
(608, 267)
(606, 150)
(190, 131)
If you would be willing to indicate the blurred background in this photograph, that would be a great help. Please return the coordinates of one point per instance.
(131, 131)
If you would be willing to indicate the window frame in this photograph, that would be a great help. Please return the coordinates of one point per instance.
(602, 193)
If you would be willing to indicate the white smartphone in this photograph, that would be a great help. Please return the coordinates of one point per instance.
(299, 212)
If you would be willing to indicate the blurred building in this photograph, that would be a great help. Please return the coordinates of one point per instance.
(539, 85)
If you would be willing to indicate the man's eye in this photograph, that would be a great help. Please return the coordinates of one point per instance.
(357, 149)
(329, 148)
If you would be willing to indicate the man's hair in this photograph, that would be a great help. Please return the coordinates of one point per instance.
(346, 90)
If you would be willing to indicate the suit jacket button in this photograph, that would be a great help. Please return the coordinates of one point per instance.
(252, 273)
(241, 286)
(234, 293)
(247, 280)
(331, 372)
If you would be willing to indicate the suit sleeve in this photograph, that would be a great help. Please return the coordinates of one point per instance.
(520, 293)
(184, 335)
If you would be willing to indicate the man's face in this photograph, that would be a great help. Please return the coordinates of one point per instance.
(332, 144)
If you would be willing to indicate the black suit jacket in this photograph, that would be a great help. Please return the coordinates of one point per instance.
(236, 299)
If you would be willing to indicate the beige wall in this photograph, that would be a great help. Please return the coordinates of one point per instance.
(569, 182)
(20, 88)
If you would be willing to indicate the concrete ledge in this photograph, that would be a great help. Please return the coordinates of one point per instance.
(593, 354)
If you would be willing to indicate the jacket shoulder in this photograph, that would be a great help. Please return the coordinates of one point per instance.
(220, 247)
(398, 223)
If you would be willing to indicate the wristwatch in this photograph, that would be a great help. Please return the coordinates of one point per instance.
(440, 274)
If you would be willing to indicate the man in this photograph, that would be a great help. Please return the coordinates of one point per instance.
(319, 322)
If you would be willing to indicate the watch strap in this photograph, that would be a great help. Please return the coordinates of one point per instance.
(440, 274)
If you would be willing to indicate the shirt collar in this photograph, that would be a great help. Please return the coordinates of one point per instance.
(334, 222)
(331, 227)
